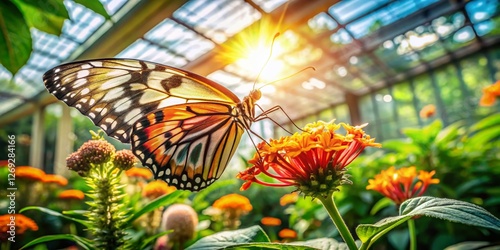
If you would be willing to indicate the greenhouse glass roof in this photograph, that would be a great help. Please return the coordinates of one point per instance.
(356, 47)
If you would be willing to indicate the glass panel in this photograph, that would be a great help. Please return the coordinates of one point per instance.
(217, 20)
(320, 23)
(476, 77)
(424, 93)
(83, 22)
(179, 39)
(385, 16)
(460, 38)
(397, 54)
(346, 11)
(144, 50)
(403, 97)
(481, 10)
(457, 106)
(269, 5)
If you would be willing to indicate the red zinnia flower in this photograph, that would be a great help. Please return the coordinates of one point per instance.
(314, 160)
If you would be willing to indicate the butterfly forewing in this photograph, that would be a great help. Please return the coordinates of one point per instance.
(184, 127)
(115, 93)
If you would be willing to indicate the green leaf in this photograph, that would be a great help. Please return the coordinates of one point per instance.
(473, 245)
(384, 202)
(401, 146)
(160, 202)
(55, 7)
(149, 240)
(323, 244)
(15, 38)
(96, 6)
(490, 121)
(451, 210)
(231, 238)
(447, 209)
(199, 200)
(42, 20)
(84, 243)
(54, 213)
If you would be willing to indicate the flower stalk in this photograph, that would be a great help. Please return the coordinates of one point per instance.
(329, 204)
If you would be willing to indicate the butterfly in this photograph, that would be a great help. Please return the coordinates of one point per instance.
(182, 126)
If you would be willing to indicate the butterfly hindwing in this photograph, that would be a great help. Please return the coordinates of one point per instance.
(116, 93)
(187, 145)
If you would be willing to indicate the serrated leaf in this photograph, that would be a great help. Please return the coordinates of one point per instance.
(227, 239)
(54, 213)
(56, 7)
(451, 210)
(96, 6)
(160, 202)
(15, 37)
(447, 209)
(84, 243)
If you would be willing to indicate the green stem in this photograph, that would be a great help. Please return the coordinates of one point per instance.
(413, 234)
(330, 206)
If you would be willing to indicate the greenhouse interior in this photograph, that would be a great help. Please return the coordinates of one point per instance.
(250, 124)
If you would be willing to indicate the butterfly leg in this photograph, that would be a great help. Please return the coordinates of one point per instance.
(265, 113)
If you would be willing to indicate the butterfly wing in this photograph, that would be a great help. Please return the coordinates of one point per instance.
(181, 125)
(187, 145)
(116, 93)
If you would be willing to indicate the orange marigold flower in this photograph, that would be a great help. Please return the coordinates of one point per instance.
(57, 179)
(428, 111)
(270, 221)
(314, 160)
(233, 202)
(157, 188)
(401, 184)
(30, 173)
(287, 233)
(17, 223)
(289, 198)
(139, 173)
(71, 194)
(490, 93)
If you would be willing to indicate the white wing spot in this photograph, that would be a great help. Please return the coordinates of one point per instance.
(92, 101)
(57, 70)
(113, 94)
(184, 177)
(188, 185)
(149, 161)
(197, 180)
(167, 172)
(82, 73)
(85, 91)
(175, 181)
(122, 105)
(97, 64)
(86, 66)
(113, 125)
(121, 131)
(133, 116)
(56, 78)
(182, 185)
(78, 106)
(104, 126)
(80, 82)
(92, 115)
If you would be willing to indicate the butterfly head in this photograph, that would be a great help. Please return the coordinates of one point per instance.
(255, 94)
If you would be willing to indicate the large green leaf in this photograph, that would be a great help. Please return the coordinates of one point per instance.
(94, 5)
(490, 121)
(226, 239)
(447, 209)
(55, 7)
(54, 213)
(15, 37)
(160, 202)
(42, 20)
(324, 244)
(83, 242)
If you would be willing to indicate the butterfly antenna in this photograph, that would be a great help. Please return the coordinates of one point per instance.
(290, 76)
(267, 60)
